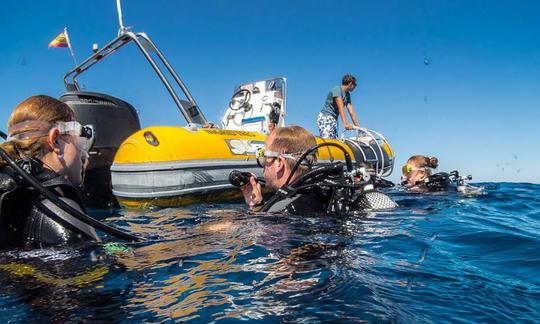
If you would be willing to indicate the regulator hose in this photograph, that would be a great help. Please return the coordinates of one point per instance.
(348, 160)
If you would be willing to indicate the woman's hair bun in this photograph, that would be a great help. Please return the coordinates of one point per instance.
(433, 162)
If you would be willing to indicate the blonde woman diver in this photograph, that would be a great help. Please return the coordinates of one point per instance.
(47, 142)
(417, 171)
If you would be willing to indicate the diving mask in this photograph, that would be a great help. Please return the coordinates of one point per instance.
(407, 168)
(38, 128)
(263, 153)
(84, 132)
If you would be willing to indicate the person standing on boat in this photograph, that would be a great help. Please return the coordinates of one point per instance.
(337, 99)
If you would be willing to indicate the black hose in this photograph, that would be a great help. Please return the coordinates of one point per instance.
(333, 168)
(52, 215)
(3, 135)
(348, 160)
(63, 205)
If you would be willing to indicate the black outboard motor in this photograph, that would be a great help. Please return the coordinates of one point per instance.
(113, 120)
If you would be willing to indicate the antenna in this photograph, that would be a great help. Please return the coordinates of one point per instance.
(120, 19)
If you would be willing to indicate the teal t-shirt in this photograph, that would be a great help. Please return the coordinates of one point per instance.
(330, 107)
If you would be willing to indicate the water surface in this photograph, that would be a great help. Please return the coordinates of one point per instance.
(437, 258)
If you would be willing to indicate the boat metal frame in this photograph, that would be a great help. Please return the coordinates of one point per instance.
(192, 114)
(378, 139)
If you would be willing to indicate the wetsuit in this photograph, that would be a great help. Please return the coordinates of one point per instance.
(28, 220)
(315, 200)
(319, 200)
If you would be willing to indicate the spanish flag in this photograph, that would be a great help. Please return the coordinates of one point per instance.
(60, 41)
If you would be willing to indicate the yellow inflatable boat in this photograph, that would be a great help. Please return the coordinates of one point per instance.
(174, 166)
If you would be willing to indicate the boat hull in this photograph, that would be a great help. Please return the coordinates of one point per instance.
(175, 166)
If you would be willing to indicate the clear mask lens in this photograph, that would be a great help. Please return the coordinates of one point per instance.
(261, 157)
(84, 133)
(262, 154)
(87, 137)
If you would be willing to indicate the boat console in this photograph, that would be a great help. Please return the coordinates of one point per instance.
(257, 106)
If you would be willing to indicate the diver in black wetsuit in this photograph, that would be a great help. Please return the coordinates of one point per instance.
(46, 141)
(287, 160)
(418, 176)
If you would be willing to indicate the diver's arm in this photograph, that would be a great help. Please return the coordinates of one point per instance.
(339, 104)
(252, 193)
(350, 108)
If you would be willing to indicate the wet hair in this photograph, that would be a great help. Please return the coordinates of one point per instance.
(420, 161)
(35, 108)
(423, 161)
(347, 78)
(293, 140)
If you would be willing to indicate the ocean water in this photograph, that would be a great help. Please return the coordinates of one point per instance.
(438, 258)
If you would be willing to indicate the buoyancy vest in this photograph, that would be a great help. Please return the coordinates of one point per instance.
(318, 200)
(29, 220)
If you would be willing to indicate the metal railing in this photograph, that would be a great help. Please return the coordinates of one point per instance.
(377, 139)
(191, 114)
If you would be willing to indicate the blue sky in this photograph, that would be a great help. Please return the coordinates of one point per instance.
(476, 105)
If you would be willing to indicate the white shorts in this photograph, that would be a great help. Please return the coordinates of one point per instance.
(327, 125)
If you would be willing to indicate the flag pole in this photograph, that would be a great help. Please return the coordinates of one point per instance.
(69, 46)
(120, 17)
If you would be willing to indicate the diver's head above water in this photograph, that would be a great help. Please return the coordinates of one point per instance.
(44, 128)
(282, 149)
(41, 160)
(417, 170)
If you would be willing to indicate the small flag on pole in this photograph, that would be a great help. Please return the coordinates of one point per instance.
(59, 41)
(62, 40)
